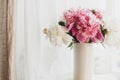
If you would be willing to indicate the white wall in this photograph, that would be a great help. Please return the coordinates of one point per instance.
(37, 59)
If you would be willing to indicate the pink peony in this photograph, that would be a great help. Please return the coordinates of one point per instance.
(84, 25)
(98, 15)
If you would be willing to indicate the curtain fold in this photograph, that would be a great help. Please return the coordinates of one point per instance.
(3, 40)
(11, 39)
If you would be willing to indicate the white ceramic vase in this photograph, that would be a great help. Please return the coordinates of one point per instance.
(83, 61)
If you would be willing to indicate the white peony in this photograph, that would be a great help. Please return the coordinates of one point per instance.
(112, 38)
(57, 35)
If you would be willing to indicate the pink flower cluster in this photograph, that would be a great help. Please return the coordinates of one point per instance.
(84, 25)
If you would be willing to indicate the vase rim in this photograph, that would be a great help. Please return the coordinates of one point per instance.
(83, 43)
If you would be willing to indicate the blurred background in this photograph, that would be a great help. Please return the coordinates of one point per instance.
(36, 58)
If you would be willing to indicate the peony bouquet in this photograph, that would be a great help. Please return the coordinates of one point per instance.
(78, 26)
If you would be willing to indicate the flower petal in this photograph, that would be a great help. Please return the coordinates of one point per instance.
(99, 37)
(87, 39)
(81, 38)
(70, 26)
(94, 39)
(74, 31)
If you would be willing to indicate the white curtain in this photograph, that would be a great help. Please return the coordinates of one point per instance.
(37, 59)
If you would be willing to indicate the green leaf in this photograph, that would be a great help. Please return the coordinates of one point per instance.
(90, 41)
(70, 45)
(103, 45)
(93, 11)
(75, 40)
(62, 23)
(104, 31)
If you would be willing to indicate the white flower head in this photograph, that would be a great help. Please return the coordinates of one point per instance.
(57, 35)
(112, 38)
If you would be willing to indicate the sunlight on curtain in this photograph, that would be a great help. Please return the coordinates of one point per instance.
(38, 59)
